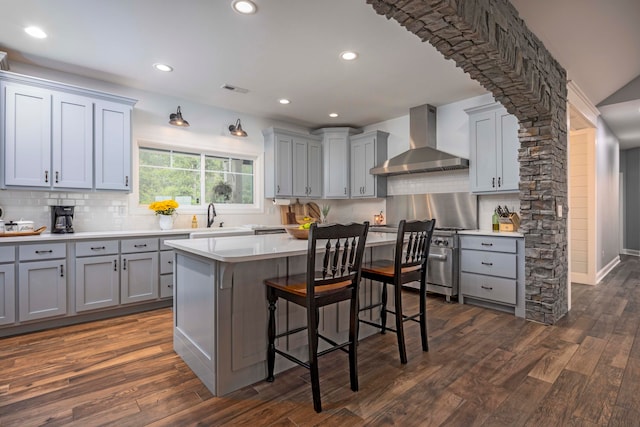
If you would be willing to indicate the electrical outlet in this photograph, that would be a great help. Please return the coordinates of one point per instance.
(559, 210)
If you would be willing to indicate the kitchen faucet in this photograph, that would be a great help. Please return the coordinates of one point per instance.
(211, 215)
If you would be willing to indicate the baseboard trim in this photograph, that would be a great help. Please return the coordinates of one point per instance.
(607, 269)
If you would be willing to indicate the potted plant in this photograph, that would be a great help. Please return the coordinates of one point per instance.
(165, 210)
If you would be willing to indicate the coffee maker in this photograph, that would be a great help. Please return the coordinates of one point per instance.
(62, 219)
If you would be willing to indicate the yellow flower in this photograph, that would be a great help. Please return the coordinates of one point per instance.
(164, 207)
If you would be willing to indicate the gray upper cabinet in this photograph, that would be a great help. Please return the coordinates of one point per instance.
(307, 167)
(292, 164)
(494, 147)
(49, 134)
(113, 146)
(335, 161)
(367, 151)
(278, 158)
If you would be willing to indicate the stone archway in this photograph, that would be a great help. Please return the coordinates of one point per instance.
(489, 41)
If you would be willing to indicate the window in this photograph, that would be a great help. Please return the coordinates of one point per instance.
(195, 179)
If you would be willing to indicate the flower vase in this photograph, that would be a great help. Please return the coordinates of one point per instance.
(165, 222)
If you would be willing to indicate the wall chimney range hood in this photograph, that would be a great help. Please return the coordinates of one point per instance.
(422, 155)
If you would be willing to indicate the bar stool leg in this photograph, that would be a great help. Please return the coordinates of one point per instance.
(312, 332)
(271, 334)
(353, 344)
(400, 323)
(383, 309)
(423, 315)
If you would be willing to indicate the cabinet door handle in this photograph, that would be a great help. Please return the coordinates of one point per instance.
(115, 265)
(44, 252)
(126, 181)
(46, 176)
(144, 245)
(487, 263)
(170, 286)
(278, 189)
(493, 182)
(57, 176)
(61, 270)
(486, 244)
(124, 264)
(170, 262)
(98, 248)
(499, 179)
(489, 288)
(345, 190)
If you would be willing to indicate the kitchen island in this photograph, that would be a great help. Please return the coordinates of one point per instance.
(220, 308)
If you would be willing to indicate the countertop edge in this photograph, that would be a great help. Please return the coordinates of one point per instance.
(491, 233)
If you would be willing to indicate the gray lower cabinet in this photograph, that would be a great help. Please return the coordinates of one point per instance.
(139, 270)
(42, 281)
(7, 285)
(97, 275)
(492, 272)
(166, 274)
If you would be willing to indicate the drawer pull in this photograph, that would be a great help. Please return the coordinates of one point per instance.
(486, 244)
(44, 252)
(487, 263)
(170, 286)
(489, 288)
(98, 248)
(144, 245)
(170, 262)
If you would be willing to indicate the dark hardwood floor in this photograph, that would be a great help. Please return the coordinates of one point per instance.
(484, 368)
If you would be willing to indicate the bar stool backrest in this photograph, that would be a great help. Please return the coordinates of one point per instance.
(341, 259)
(412, 246)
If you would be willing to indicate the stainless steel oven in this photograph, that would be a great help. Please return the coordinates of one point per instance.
(453, 212)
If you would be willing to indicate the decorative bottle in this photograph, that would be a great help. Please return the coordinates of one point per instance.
(495, 221)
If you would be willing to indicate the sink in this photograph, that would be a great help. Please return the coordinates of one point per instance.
(221, 232)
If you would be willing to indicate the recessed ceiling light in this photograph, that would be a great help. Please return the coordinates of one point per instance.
(245, 7)
(35, 32)
(333, 115)
(284, 101)
(162, 67)
(349, 55)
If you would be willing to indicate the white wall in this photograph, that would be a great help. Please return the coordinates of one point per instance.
(608, 203)
(117, 211)
(452, 130)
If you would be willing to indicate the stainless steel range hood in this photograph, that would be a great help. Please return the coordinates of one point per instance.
(423, 155)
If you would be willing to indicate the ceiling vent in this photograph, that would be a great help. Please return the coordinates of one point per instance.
(233, 88)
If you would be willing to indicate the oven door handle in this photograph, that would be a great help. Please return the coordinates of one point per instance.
(438, 257)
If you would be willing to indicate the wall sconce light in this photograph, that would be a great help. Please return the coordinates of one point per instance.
(177, 120)
(237, 129)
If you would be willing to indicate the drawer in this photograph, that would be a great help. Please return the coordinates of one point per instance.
(489, 243)
(42, 251)
(7, 253)
(164, 247)
(166, 286)
(166, 262)
(130, 246)
(492, 263)
(96, 247)
(490, 288)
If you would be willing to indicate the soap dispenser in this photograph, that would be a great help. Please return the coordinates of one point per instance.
(194, 222)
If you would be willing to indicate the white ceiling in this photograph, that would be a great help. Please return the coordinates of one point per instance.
(290, 49)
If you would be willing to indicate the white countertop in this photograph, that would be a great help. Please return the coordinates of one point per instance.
(87, 235)
(492, 233)
(251, 248)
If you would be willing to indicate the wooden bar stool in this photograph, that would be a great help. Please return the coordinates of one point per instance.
(332, 276)
(409, 265)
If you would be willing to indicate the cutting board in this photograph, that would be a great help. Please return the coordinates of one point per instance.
(295, 212)
(287, 216)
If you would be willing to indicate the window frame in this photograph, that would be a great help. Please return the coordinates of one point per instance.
(221, 208)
